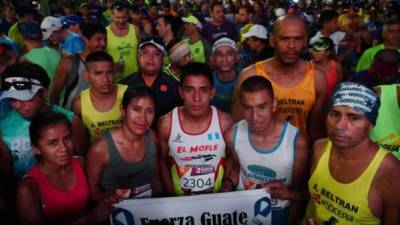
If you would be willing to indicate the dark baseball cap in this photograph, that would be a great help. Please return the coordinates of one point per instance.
(156, 42)
(69, 4)
(23, 9)
(71, 20)
(120, 5)
(30, 30)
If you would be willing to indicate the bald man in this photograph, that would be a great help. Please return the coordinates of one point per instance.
(299, 88)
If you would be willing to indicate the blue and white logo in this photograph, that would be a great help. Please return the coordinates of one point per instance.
(262, 208)
(122, 217)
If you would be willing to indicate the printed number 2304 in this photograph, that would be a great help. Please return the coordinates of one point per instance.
(197, 183)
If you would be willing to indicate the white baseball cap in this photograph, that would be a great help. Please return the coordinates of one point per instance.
(49, 25)
(279, 12)
(20, 88)
(256, 30)
(223, 42)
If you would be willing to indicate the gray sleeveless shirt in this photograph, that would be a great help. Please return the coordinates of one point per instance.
(133, 179)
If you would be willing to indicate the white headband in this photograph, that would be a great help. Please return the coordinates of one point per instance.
(178, 51)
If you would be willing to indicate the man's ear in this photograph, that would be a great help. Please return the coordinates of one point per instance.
(86, 74)
(271, 40)
(44, 93)
(213, 91)
(370, 127)
(180, 90)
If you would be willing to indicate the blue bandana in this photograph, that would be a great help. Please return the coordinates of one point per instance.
(357, 97)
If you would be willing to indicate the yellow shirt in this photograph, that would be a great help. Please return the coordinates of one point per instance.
(197, 51)
(123, 50)
(99, 122)
(15, 34)
(338, 203)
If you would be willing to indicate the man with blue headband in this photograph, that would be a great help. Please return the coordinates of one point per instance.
(353, 180)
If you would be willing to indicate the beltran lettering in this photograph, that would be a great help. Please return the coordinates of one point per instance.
(339, 201)
(108, 123)
(233, 218)
(188, 220)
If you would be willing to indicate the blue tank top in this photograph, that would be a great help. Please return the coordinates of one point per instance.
(224, 93)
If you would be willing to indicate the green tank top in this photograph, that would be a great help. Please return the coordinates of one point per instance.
(333, 202)
(124, 51)
(135, 177)
(387, 129)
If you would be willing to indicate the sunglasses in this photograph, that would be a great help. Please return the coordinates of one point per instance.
(19, 85)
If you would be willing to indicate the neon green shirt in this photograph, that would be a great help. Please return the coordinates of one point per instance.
(197, 51)
(386, 131)
(15, 34)
(368, 57)
(123, 49)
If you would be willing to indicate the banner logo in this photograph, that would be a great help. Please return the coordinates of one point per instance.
(122, 217)
(262, 208)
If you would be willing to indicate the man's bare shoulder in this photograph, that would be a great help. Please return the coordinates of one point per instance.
(165, 119)
(99, 147)
(318, 148)
(248, 71)
(389, 169)
(164, 125)
(386, 182)
(66, 60)
(319, 74)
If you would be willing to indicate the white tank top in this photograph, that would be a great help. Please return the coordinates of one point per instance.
(197, 158)
(258, 167)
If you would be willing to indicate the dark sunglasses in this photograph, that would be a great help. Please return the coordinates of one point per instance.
(18, 85)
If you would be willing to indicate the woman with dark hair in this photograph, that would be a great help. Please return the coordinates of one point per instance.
(55, 190)
(124, 160)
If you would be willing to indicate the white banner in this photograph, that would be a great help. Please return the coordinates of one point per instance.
(232, 208)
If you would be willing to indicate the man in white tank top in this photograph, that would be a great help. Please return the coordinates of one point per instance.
(264, 152)
(191, 137)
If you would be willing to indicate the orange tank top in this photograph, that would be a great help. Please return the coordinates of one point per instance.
(294, 103)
